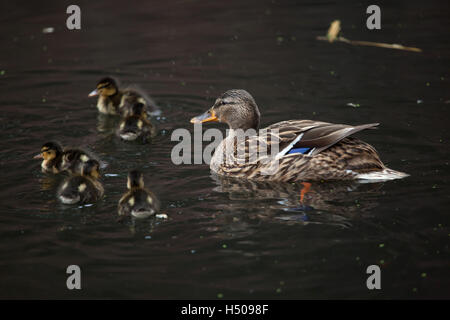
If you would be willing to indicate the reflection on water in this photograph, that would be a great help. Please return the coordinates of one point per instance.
(107, 125)
(49, 182)
(140, 226)
(334, 203)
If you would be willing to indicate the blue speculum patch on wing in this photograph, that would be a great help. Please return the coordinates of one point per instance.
(299, 150)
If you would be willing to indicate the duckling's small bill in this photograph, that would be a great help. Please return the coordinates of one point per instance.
(94, 93)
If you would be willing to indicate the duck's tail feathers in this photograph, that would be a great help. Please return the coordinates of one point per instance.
(378, 176)
(128, 136)
(142, 213)
(69, 200)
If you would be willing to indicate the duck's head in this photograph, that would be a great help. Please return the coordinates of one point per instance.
(49, 151)
(236, 107)
(135, 179)
(91, 168)
(105, 87)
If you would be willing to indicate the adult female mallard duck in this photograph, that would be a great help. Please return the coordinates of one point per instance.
(138, 201)
(307, 150)
(136, 126)
(112, 100)
(84, 187)
(55, 159)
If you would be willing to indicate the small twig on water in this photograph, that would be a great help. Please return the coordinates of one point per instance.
(335, 28)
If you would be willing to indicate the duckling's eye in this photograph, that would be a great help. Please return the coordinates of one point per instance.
(103, 86)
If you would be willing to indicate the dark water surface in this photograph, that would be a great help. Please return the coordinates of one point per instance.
(224, 238)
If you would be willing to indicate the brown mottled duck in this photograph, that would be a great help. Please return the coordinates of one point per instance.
(306, 150)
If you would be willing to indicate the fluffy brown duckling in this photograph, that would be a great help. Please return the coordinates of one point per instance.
(138, 201)
(136, 126)
(114, 101)
(84, 187)
(55, 159)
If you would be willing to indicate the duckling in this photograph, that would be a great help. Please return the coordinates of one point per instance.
(138, 201)
(56, 160)
(84, 187)
(136, 125)
(114, 101)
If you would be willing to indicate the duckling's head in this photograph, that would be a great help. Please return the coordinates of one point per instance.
(138, 109)
(91, 168)
(105, 87)
(236, 107)
(135, 179)
(49, 151)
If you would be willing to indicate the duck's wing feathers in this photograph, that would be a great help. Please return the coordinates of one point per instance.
(315, 135)
(282, 137)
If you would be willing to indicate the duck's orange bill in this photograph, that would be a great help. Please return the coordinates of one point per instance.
(208, 116)
(38, 156)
